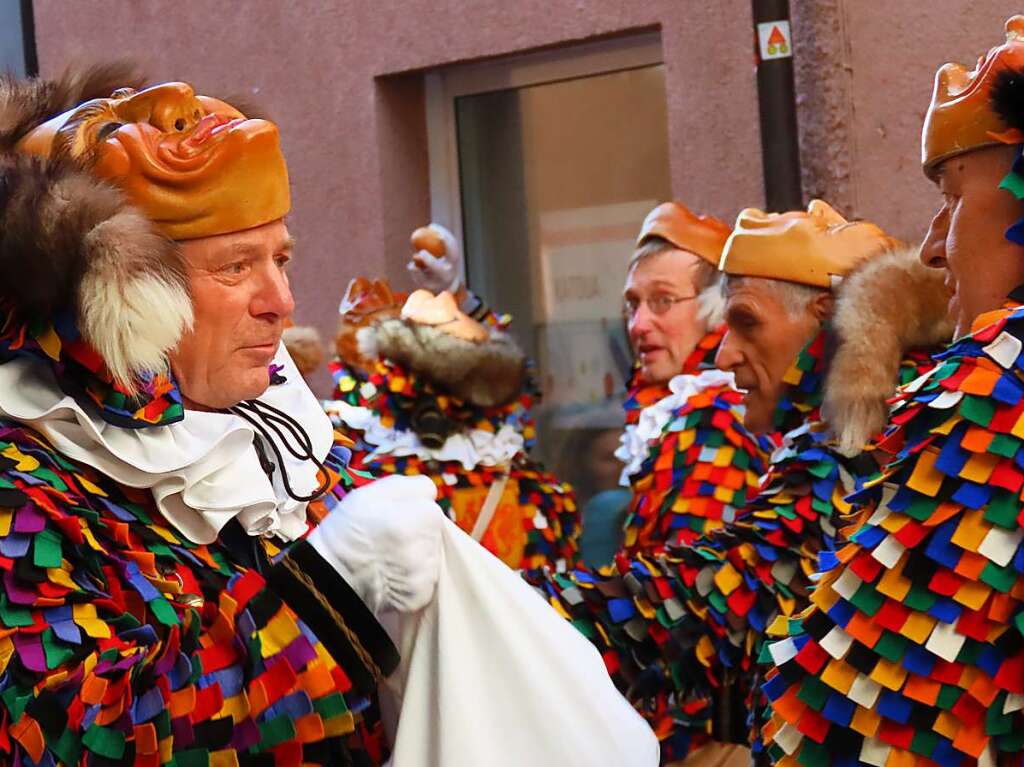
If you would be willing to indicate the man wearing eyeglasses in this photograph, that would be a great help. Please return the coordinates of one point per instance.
(689, 462)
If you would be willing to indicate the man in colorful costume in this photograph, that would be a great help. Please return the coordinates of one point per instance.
(690, 464)
(912, 650)
(186, 578)
(682, 631)
(430, 390)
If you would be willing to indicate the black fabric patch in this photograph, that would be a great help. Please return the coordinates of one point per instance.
(214, 734)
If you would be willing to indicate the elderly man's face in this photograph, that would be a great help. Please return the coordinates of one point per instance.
(966, 237)
(241, 297)
(763, 340)
(661, 305)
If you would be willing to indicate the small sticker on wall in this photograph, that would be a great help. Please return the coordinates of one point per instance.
(775, 40)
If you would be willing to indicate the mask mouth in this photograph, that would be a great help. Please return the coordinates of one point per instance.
(207, 131)
(198, 148)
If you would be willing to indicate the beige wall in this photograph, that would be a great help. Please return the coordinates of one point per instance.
(343, 80)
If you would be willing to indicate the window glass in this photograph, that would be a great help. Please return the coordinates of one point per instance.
(555, 182)
(12, 38)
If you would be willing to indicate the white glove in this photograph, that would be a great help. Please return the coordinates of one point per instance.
(438, 273)
(384, 539)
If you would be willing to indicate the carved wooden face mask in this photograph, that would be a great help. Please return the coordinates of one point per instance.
(442, 312)
(196, 166)
(817, 247)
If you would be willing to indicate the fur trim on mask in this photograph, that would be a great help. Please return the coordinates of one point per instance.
(24, 104)
(69, 240)
(887, 307)
(487, 374)
(305, 347)
(1007, 97)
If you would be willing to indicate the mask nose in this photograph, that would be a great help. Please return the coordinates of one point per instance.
(169, 107)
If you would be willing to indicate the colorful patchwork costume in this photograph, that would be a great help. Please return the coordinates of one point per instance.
(681, 630)
(466, 424)
(131, 632)
(912, 651)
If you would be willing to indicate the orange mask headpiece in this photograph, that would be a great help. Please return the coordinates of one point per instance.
(817, 247)
(704, 236)
(442, 312)
(365, 302)
(194, 165)
(961, 116)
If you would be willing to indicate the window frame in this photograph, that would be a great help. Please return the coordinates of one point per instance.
(443, 87)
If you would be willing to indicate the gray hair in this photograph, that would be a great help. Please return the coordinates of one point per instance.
(793, 296)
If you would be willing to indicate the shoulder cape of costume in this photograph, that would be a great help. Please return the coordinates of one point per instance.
(912, 652)
(703, 466)
(536, 523)
(121, 642)
(681, 632)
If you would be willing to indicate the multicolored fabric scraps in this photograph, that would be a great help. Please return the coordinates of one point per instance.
(912, 651)
(536, 522)
(700, 471)
(82, 374)
(681, 631)
(121, 642)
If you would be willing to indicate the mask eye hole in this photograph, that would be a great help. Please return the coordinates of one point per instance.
(108, 129)
(179, 124)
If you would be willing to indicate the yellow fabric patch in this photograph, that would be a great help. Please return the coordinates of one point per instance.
(24, 462)
(280, 631)
(85, 616)
(727, 579)
(926, 479)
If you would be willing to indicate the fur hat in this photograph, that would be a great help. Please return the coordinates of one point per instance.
(97, 178)
(69, 241)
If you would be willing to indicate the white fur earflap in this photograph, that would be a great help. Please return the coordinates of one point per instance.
(133, 305)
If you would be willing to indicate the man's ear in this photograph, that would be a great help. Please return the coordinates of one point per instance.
(821, 305)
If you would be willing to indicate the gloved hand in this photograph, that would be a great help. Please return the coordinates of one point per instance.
(384, 539)
(436, 263)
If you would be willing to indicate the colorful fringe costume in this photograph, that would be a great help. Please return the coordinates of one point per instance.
(912, 650)
(122, 642)
(681, 628)
(691, 465)
(536, 522)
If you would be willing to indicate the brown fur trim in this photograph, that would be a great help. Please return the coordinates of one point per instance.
(888, 306)
(305, 347)
(24, 104)
(71, 241)
(68, 240)
(486, 374)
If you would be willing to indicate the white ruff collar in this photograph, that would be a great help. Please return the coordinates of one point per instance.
(637, 439)
(472, 448)
(203, 471)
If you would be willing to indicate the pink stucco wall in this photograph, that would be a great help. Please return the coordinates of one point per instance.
(864, 77)
(343, 80)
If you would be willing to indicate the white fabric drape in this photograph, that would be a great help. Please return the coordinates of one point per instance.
(492, 676)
